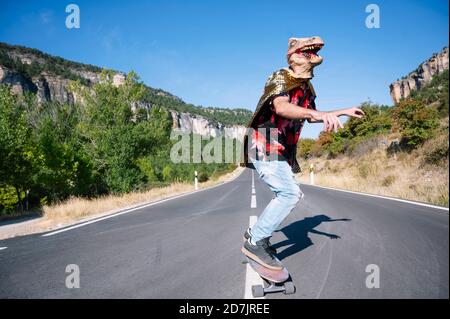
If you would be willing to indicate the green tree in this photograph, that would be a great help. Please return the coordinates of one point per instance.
(15, 149)
(8, 198)
(115, 138)
(62, 168)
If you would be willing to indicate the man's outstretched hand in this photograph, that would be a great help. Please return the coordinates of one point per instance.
(353, 112)
(331, 120)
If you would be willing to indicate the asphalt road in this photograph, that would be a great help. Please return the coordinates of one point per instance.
(189, 247)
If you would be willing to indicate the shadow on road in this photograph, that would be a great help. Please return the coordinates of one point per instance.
(297, 234)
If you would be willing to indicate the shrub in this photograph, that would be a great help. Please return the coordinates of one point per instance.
(436, 155)
(305, 147)
(336, 147)
(364, 170)
(377, 120)
(436, 150)
(415, 121)
(8, 198)
(202, 177)
(388, 181)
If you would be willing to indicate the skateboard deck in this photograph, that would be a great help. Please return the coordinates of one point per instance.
(275, 276)
(275, 280)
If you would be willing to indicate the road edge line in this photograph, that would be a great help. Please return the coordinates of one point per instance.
(383, 197)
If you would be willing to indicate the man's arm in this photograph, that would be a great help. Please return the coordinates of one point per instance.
(285, 109)
(351, 111)
(330, 120)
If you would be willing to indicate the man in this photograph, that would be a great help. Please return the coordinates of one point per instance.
(271, 142)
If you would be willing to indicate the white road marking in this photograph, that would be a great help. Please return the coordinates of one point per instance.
(253, 198)
(251, 277)
(253, 202)
(134, 209)
(384, 197)
(253, 179)
(3, 248)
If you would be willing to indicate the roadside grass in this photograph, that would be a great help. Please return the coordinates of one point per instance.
(76, 207)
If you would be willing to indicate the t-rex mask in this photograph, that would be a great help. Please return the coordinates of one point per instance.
(302, 55)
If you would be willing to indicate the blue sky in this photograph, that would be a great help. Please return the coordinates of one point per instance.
(219, 53)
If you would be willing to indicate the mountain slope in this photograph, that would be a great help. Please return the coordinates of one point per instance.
(47, 76)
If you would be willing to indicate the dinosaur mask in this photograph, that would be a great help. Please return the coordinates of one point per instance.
(302, 55)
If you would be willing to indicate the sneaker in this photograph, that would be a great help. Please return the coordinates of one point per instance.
(261, 254)
(248, 235)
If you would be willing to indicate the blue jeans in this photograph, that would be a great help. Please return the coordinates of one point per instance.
(280, 179)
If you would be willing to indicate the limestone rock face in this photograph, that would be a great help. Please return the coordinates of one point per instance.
(19, 84)
(119, 79)
(188, 123)
(53, 88)
(417, 79)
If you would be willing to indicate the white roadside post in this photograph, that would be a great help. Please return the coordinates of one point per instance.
(311, 173)
(196, 181)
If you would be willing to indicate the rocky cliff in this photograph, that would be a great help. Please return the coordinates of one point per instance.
(29, 70)
(197, 124)
(420, 77)
(26, 70)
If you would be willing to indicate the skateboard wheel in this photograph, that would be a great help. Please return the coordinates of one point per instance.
(258, 291)
(289, 288)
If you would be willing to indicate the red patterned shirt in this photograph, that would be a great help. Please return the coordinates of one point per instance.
(277, 136)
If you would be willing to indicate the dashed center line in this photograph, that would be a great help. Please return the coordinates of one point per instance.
(253, 198)
(3, 248)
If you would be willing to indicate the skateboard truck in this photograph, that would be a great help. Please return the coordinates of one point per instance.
(275, 280)
(287, 288)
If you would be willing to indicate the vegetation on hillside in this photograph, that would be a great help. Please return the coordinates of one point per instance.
(49, 152)
(435, 92)
(54, 65)
(43, 62)
(50, 59)
(415, 120)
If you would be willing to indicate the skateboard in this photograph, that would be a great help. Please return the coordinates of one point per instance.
(275, 280)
